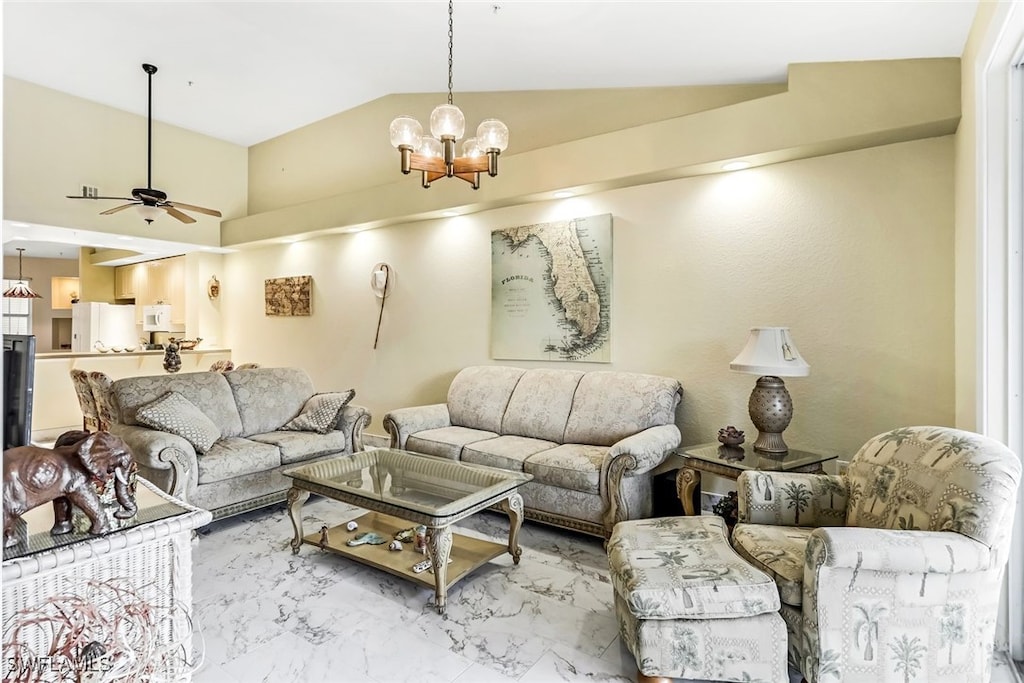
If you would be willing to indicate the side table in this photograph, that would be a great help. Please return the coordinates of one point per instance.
(728, 462)
(129, 591)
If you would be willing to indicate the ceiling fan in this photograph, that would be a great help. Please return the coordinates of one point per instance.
(149, 200)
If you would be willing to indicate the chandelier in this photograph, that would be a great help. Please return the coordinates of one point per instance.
(20, 289)
(434, 154)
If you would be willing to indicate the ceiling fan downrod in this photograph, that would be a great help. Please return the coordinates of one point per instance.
(149, 69)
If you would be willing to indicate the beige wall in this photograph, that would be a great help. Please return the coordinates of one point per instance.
(854, 251)
(55, 143)
(966, 231)
(38, 272)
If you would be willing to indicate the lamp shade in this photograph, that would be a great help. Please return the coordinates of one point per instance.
(492, 134)
(431, 147)
(407, 131)
(770, 351)
(447, 121)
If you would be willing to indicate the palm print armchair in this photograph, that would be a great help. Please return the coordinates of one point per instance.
(891, 572)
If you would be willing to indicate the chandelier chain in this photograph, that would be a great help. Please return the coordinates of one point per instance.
(451, 33)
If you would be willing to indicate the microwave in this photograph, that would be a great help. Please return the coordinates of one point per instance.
(156, 318)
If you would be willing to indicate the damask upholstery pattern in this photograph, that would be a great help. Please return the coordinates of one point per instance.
(300, 446)
(267, 398)
(208, 391)
(100, 384)
(609, 406)
(446, 442)
(590, 439)
(320, 412)
(86, 401)
(906, 589)
(689, 607)
(232, 457)
(507, 452)
(478, 396)
(540, 404)
(241, 470)
(173, 413)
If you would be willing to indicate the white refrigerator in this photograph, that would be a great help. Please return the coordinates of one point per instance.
(93, 322)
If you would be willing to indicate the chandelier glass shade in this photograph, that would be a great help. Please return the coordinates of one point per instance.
(20, 289)
(434, 155)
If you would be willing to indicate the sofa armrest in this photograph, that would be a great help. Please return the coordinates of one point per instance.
(635, 455)
(896, 551)
(402, 422)
(648, 448)
(776, 498)
(352, 421)
(166, 460)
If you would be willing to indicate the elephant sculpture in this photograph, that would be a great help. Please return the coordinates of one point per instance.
(75, 472)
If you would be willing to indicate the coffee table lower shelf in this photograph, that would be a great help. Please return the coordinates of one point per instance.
(467, 553)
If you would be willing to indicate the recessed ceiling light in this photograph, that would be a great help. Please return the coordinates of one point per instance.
(564, 194)
(736, 166)
(449, 214)
(290, 240)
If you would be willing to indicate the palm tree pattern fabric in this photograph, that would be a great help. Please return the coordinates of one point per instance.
(908, 589)
(688, 606)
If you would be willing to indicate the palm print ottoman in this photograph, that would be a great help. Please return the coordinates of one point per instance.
(689, 607)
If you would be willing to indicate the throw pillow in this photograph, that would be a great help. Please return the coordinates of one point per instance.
(175, 414)
(320, 412)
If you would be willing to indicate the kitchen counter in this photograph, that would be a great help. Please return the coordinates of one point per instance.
(55, 406)
(116, 354)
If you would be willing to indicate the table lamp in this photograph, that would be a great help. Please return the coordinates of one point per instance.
(771, 353)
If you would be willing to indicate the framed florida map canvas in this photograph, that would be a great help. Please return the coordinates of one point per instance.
(551, 289)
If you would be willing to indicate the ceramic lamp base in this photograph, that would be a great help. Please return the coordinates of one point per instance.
(771, 409)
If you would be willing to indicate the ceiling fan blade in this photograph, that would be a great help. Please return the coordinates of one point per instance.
(184, 218)
(198, 209)
(80, 196)
(118, 208)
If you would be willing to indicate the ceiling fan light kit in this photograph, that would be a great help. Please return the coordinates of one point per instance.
(150, 202)
(435, 156)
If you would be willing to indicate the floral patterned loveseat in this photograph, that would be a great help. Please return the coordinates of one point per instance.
(893, 571)
(226, 437)
(590, 439)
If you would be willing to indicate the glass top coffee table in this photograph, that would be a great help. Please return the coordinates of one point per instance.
(401, 490)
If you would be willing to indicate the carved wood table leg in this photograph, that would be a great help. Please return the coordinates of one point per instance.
(439, 547)
(513, 507)
(687, 481)
(296, 497)
(641, 678)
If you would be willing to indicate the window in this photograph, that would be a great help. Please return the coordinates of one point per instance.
(17, 313)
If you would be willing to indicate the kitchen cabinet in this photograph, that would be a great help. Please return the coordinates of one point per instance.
(62, 291)
(124, 281)
(161, 281)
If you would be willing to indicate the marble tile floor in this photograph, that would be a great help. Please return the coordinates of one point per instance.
(264, 614)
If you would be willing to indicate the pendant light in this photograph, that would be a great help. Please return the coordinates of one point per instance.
(20, 289)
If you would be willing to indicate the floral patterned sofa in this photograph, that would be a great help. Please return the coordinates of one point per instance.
(590, 439)
(224, 438)
(893, 571)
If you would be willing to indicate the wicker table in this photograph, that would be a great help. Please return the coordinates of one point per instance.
(129, 590)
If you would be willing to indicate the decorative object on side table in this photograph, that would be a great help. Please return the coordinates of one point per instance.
(771, 353)
(325, 538)
(726, 508)
(172, 361)
(730, 436)
(66, 475)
